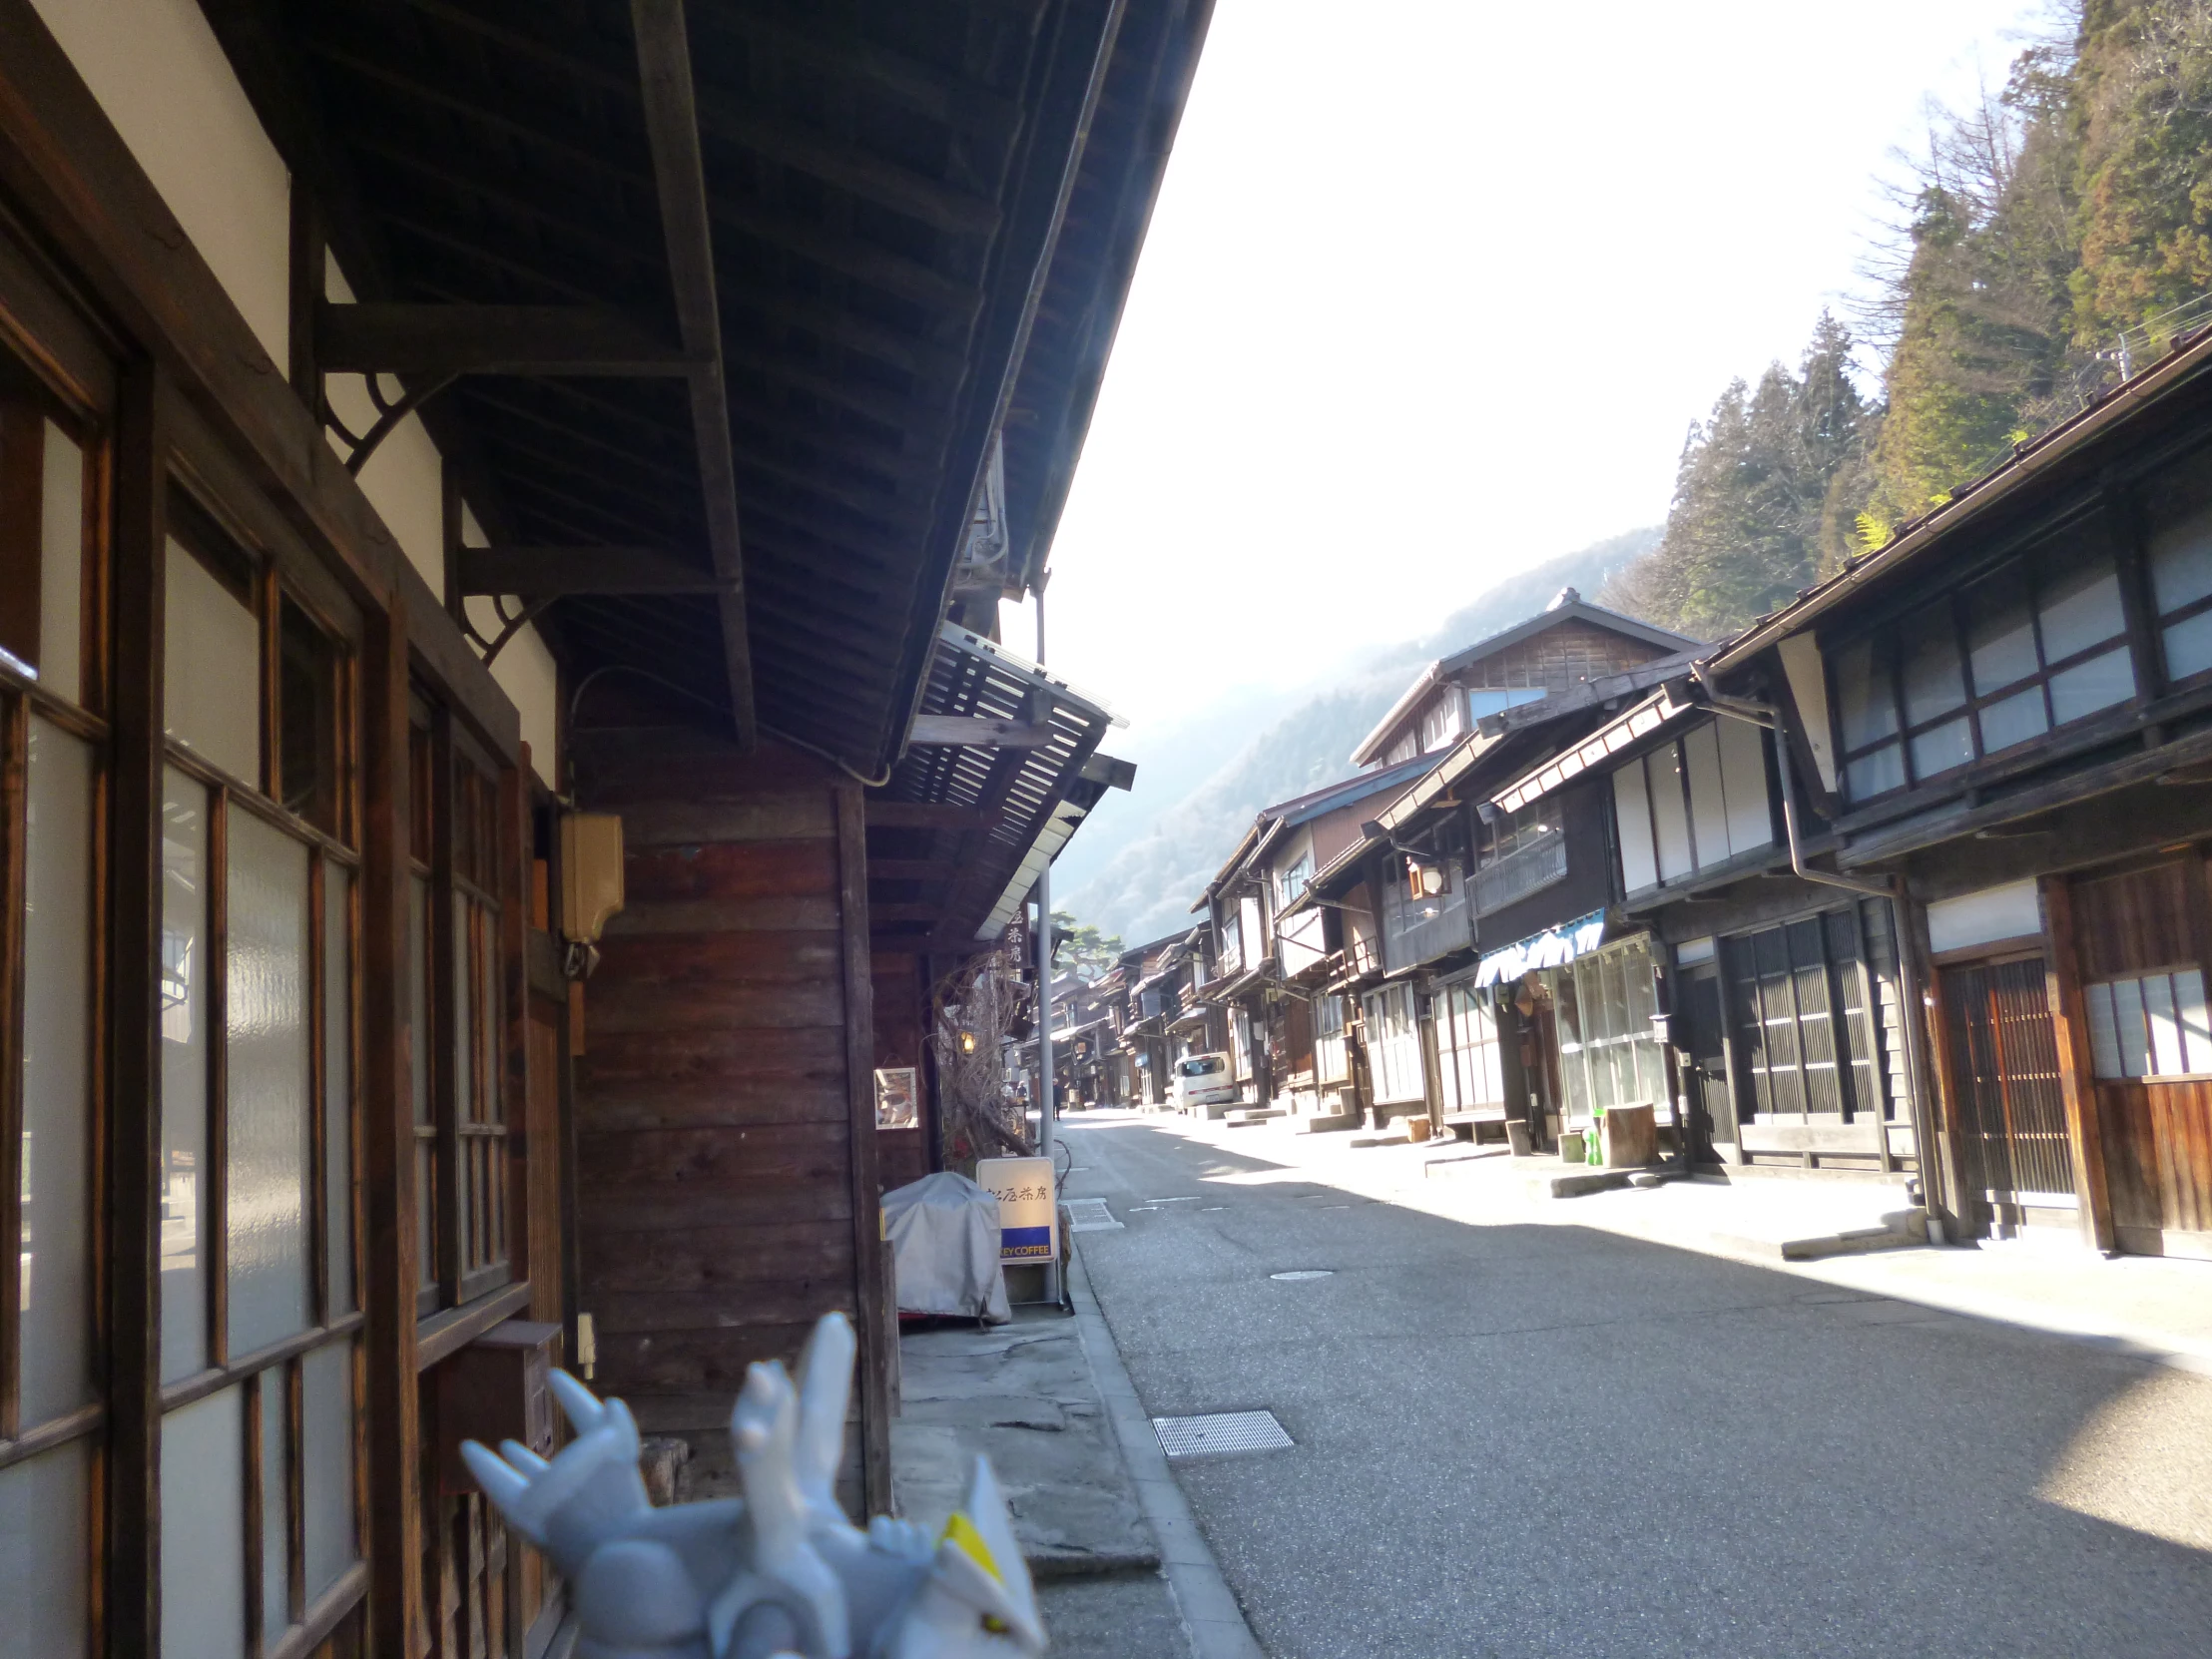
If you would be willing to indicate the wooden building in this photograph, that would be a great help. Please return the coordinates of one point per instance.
(1276, 999)
(1451, 898)
(420, 422)
(2004, 719)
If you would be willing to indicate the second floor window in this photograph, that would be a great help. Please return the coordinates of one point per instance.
(1290, 880)
(2038, 644)
(1444, 719)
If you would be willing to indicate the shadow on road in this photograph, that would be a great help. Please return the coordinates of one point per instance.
(1521, 1439)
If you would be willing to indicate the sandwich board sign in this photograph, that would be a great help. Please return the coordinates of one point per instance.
(1028, 1216)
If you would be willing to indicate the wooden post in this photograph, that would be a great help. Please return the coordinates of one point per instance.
(388, 1145)
(877, 1321)
(2076, 1068)
(133, 1602)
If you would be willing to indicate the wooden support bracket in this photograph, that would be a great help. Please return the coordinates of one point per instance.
(444, 340)
(553, 572)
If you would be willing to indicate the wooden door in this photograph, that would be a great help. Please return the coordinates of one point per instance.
(1705, 1085)
(2005, 1084)
(2142, 936)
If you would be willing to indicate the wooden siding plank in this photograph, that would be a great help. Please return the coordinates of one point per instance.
(797, 816)
(793, 912)
(754, 869)
(626, 1006)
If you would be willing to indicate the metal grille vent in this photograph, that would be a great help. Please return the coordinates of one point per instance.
(1219, 1433)
(1090, 1215)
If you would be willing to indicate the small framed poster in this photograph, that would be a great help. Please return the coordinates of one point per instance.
(897, 1098)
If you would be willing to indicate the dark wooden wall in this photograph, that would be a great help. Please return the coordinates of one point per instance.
(726, 1174)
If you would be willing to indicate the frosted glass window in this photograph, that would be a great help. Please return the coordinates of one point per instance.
(204, 1528)
(1744, 776)
(184, 996)
(1863, 698)
(61, 582)
(1947, 746)
(2181, 563)
(1707, 802)
(55, 1266)
(327, 1464)
(2013, 719)
(2000, 632)
(2190, 646)
(46, 1554)
(275, 1507)
(2150, 1027)
(1632, 812)
(210, 673)
(2079, 608)
(1877, 773)
(337, 1086)
(265, 1197)
(1669, 818)
(1933, 683)
(2087, 687)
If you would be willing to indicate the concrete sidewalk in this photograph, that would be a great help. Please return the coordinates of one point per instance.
(2149, 1307)
(1045, 1398)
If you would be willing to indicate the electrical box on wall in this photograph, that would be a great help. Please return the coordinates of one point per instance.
(591, 873)
(498, 1388)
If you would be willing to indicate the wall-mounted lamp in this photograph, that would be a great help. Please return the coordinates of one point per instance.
(591, 884)
(967, 1042)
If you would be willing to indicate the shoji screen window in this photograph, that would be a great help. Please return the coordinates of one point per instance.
(2037, 644)
(261, 1312)
(456, 1001)
(53, 783)
(1330, 1063)
(1468, 1054)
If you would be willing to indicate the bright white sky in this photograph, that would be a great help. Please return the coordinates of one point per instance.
(1435, 286)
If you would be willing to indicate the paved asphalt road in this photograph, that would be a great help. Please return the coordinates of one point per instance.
(1546, 1440)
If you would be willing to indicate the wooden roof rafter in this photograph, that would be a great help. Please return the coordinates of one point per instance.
(672, 122)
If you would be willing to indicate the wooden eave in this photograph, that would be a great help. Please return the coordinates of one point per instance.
(859, 245)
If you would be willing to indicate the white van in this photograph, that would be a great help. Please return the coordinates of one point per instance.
(1203, 1080)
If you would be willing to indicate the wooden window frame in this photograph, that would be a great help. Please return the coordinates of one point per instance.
(279, 1367)
(469, 1263)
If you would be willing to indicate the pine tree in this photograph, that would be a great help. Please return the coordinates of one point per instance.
(1753, 494)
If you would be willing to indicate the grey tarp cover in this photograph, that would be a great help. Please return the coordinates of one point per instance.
(943, 1231)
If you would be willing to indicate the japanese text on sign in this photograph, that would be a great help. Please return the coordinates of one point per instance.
(1028, 1217)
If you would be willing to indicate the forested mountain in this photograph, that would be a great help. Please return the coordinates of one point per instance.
(1161, 845)
(2054, 240)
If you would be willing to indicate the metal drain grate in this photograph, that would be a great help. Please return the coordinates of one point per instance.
(1090, 1215)
(1221, 1432)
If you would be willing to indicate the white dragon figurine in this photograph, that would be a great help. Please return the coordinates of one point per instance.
(780, 1574)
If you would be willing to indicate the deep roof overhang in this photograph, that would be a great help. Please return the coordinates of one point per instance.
(919, 225)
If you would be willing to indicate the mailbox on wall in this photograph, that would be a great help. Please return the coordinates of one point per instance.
(498, 1388)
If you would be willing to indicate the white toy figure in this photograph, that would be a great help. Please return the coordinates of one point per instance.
(781, 1574)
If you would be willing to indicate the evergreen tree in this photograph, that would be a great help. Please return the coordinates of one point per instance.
(1753, 495)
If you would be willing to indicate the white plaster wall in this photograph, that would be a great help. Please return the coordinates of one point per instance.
(157, 71)
(524, 671)
(404, 477)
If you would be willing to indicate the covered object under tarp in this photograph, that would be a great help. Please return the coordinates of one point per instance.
(943, 1232)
